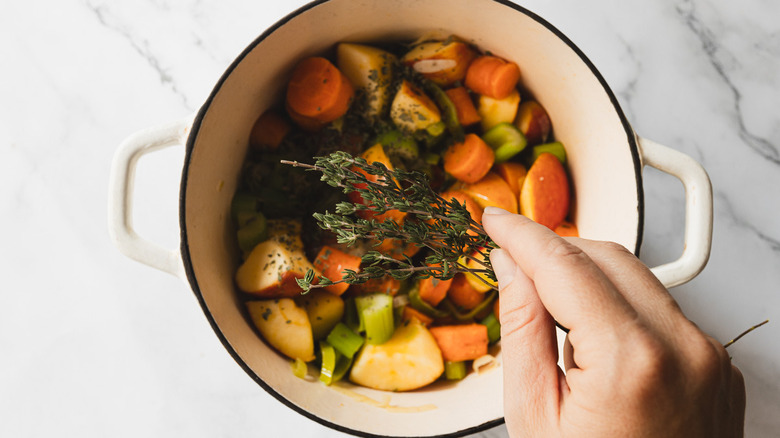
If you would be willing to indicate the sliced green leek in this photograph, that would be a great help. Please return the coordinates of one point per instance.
(419, 304)
(344, 340)
(396, 144)
(493, 327)
(487, 301)
(253, 231)
(454, 370)
(556, 148)
(243, 207)
(329, 357)
(376, 317)
(351, 318)
(299, 368)
(334, 365)
(436, 129)
(449, 115)
(505, 140)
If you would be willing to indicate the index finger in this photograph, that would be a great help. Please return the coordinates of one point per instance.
(570, 285)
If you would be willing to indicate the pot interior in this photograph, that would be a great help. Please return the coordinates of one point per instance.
(602, 156)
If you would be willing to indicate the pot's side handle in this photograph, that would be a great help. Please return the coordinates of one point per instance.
(120, 196)
(698, 211)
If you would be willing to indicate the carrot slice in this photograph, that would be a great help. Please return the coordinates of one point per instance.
(433, 290)
(461, 342)
(567, 229)
(383, 285)
(268, 131)
(545, 196)
(474, 209)
(463, 293)
(464, 106)
(469, 160)
(410, 312)
(317, 90)
(514, 175)
(332, 263)
(492, 76)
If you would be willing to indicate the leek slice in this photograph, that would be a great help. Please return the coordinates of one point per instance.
(243, 207)
(493, 327)
(419, 304)
(333, 364)
(299, 368)
(556, 148)
(454, 370)
(468, 316)
(505, 140)
(449, 114)
(254, 231)
(396, 144)
(344, 340)
(328, 362)
(376, 316)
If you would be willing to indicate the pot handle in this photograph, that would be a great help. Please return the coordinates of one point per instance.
(120, 196)
(698, 211)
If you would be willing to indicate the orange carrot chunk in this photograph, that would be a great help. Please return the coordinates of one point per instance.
(461, 342)
(410, 312)
(383, 285)
(544, 197)
(433, 290)
(318, 92)
(464, 106)
(514, 175)
(567, 229)
(463, 293)
(268, 131)
(469, 160)
(332, 263)
(474, 209)
(492, 76)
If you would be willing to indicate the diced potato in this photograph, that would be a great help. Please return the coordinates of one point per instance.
(324, 309)
(273, 266)
(411, 359)
(369, 69)
(412, 110)
(495, 111)
(285, 326)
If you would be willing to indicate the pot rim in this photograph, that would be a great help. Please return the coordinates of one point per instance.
(185, 250)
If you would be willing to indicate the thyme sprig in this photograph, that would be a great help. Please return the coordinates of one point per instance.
(444, 227)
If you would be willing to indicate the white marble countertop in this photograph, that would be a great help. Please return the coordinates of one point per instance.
(93, 344)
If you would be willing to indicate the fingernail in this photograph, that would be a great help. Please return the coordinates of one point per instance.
(503, 266)
(495, 210)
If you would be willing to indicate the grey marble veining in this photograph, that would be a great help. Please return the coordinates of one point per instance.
(94, 344)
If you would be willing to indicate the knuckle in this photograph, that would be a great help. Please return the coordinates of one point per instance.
(615, 247)
(708, 361)
(561, 249)
(653, 361)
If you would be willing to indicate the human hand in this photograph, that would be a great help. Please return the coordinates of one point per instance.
(635, 366)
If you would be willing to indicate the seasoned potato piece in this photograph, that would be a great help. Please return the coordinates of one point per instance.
(324, 309)
(285, 326)
(411, 359)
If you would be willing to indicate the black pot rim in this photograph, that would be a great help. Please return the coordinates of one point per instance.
(185, 250)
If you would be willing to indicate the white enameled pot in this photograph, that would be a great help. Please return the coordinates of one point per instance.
(605, 156)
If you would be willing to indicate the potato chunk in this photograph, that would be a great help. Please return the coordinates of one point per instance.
(285, 326)
(411, 359)
(412, 110)
(324, 309)
(371, 70)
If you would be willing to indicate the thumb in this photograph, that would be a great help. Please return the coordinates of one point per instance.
(528, 345)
